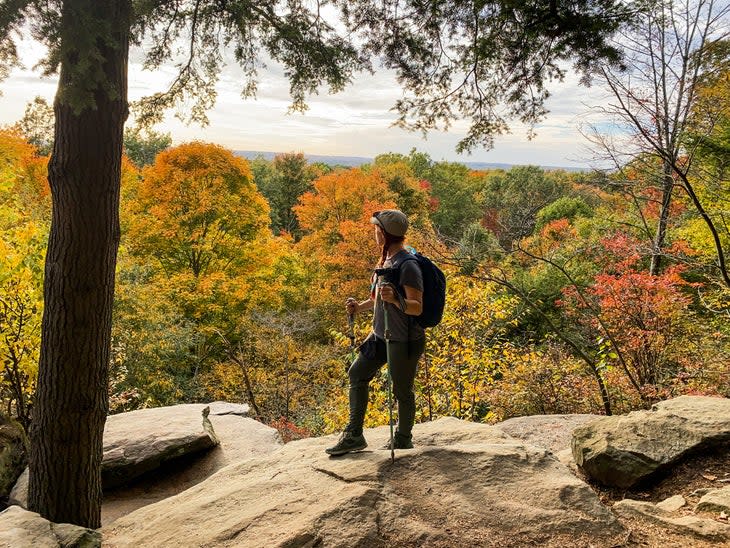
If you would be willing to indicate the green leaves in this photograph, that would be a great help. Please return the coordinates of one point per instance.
(567, 207)
(282, 182)
(512, 200)
(142, 147)
(12, 17)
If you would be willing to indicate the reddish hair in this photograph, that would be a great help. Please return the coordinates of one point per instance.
(389, 239)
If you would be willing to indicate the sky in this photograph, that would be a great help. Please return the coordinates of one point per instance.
(355, 122)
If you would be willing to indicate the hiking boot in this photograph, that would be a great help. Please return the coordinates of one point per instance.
(399, 442)
(347, 443)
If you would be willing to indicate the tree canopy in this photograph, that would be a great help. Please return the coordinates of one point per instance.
(486, 62)
(483, 61)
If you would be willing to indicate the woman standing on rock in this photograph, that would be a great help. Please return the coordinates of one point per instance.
(406, 337)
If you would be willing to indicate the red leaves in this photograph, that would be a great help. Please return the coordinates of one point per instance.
(641, 319)
(619, 252)
(558, 230)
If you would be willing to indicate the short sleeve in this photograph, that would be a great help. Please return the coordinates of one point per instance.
(411, 275)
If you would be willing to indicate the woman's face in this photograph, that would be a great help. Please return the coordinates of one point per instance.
(379, 236)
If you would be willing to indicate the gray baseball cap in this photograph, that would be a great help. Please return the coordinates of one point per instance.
(394, 222)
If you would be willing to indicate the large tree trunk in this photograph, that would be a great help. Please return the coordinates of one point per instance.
(84, 173)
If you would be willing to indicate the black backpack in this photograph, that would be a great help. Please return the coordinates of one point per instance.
(434, 290)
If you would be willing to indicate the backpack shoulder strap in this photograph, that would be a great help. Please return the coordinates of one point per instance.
(399, 264)
(410, 257)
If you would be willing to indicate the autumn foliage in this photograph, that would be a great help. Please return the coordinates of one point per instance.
(223, 293)
(24, 216)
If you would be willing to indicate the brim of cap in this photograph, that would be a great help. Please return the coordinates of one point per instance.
(375, 221)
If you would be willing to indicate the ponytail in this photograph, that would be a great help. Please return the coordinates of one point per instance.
(389, 239)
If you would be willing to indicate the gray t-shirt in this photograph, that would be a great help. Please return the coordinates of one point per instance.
(402, 327)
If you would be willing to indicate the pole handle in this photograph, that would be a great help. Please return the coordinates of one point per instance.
(351, 329)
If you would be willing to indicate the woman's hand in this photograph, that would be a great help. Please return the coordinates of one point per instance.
(351, 306)
(412, 304)
(388, 294)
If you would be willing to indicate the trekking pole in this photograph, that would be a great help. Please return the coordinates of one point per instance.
(390, 392)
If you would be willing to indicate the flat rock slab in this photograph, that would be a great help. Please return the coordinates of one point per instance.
(716, 500)
(20, 528)
(622, 450)
(707, 529)
(566, 457)
(240, 438)
(465, 484)
(553, 432)
(227, 408)
(672, 504)
(139, 441)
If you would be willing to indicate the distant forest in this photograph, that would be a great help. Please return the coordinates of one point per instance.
(232, 276)
(357, 161)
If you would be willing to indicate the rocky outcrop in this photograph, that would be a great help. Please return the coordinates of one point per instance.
(13, 454)
(716, 500)
(465, 484)
(703, 528)
(240, 438)
(623, 450)
(19, 494)
(159, 439)
(223, 408)
(142, 440)
(672, 504)
(20, 528)
(553, 432)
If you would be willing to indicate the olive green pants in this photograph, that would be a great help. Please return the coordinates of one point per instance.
(404, 356)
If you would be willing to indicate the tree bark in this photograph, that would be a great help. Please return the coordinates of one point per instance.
(247, 383)
(84, 174)
(658, 245)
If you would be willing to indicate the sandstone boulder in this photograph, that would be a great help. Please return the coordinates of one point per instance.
(622, 450)
(240, 438)
(220, 408)
(716, 500)
(465, 484)
(139, 441)
(13, 454)
(20, 528)
(19, 494)
(707, 529)
(553, 432)
(672, 504)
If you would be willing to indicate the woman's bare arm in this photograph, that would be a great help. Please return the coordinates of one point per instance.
(413, 301)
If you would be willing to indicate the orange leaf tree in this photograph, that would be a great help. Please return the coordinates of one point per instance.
(196, 206)
(338, 240)
(196, 241)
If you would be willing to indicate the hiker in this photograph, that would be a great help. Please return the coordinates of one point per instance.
(407, 337)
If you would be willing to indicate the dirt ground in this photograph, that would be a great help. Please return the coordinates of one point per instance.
(703, 470)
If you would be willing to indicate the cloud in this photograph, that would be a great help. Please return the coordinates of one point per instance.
(356, 122)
